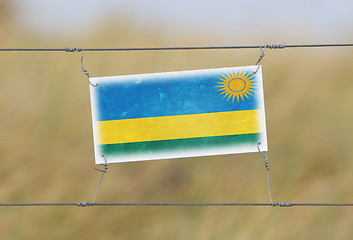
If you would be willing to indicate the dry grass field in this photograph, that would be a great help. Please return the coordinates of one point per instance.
(46, 146)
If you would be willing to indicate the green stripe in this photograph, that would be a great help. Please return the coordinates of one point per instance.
(124, 149)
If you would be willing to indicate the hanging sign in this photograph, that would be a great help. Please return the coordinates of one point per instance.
(178, 114)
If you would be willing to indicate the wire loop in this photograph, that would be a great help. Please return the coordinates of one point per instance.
(105, 164)
(263, 154)
(263, 48)
(83, 69)
(260, 58)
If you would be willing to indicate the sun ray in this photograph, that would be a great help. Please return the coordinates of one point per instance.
(235, 84)
(248, 74)
(226, 95)
(246, 95)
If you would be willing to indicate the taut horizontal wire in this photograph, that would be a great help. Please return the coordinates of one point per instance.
(88, 204)
(272, 46)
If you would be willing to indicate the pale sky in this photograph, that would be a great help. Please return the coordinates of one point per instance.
(316, 21)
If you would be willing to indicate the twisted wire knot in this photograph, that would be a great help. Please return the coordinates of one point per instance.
(273, 46)
(67, 49)
(261, 57)
(267, 164)
(276, 46)
(283, 204)
(85, 72)
(84, 204)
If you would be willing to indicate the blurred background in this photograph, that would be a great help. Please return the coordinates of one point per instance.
(46, 138)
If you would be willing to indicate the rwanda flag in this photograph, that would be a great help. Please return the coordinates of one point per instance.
(178, 114)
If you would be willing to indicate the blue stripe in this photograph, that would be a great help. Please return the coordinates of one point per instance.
(170, 94)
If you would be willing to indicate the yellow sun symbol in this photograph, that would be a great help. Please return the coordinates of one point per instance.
(237, 84)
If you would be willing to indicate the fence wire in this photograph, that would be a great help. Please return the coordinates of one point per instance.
(89, 204)
(270, 46)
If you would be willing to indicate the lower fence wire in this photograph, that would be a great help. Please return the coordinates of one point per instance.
(87, 204)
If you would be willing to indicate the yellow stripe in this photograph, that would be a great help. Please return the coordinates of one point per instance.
(177, 127)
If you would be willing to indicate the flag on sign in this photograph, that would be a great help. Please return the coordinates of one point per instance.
(178, 114)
